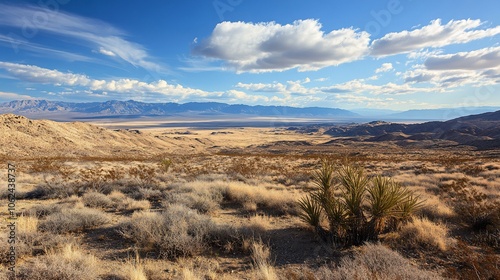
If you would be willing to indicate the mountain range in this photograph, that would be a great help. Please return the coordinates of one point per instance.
(135, 108)
(123, 109)
(481, 131)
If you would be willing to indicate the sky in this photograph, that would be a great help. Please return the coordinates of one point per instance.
(384, 54)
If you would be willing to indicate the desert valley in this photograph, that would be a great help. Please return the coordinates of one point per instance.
(127, 199)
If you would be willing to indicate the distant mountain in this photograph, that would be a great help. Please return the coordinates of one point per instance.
(439, 114)
(135, 108)
(481, 131)
(369, 112)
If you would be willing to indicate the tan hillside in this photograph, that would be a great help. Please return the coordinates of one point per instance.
(22, 137)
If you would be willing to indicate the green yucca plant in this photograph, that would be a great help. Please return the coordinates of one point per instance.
(358, 208)
(311, 211)
(385, 199)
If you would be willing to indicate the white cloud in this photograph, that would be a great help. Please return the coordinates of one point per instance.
(16, 43)
(474, 60)
(384, 68)
(360, 86)
(266, 47)
(92, 33)
(291, 87)
(477, 68)
(13, 96)
(106, 52)
(433, 35)
(128, 88)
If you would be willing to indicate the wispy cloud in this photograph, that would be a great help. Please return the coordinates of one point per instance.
(267, 47)
(20, 43)
(13, 96)
(126, 88)
(94, 34)
(433, 35)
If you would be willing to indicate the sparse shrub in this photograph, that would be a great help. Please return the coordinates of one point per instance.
(144, 175)
(205, 199)
(43, 210)
(375, 261)
(178, 231)
(257, 225)
(70, 263)
(263, 267)
(472, 206)
(125, 203)
(54, 187)
(74, 220)
(45, 165)
(96, 200)
(357, 208)
(165, 164)
(422, 233)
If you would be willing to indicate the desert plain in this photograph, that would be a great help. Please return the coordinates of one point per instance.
(141, 200)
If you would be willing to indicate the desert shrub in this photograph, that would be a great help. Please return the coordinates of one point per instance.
(422, 233)
(43, 210)
(375, 261)
(45, 165)
(74, 220)
(196, 195)
(258, 224)
(178, 231)
(358, 208)
(271, 201)
(96, 200)
(54, 187)
(125, 203)
(70, 263)
(436, 209)
(261, 259)
(472, 206)
(165, 164)
(144, 175)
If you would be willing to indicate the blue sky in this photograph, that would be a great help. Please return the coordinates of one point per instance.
(389, 54)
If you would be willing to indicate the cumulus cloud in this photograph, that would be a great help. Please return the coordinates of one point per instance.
(433, 35)
(477, 68)
(474, 60)
(91, 33)
(130, 88)
(360, 86)
(384, 68)
(291, 87)
(266, 47)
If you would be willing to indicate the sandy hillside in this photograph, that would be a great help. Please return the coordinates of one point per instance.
(22, 137)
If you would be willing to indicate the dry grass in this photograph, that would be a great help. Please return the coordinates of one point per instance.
(225, 207)
(134, 271)
(27, 225)
(125, 203)
(178, 231)
(257, 225)
(423, 233)
(97, 200)
(74, 220)
(263, 269)
(69, 263)
(436, 209)
(375, 261)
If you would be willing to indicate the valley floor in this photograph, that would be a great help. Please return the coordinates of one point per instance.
(223, 205)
